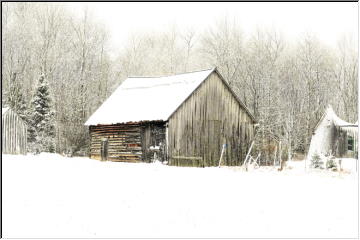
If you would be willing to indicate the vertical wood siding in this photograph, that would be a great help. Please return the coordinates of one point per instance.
(210, 117)
(14, 134)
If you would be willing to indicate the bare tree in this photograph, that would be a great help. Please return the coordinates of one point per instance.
(346, 75)
(286, 84)
(189, 39)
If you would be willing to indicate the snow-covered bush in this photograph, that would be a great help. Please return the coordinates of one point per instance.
(316, 161)
(331, 163)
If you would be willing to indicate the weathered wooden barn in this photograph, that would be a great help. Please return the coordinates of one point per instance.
(334, 136)
(13, 133)
(184, 119)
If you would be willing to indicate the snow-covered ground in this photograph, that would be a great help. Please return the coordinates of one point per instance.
(53, 196)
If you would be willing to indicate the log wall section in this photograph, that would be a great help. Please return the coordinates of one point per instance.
(13, 134)
(124, 142)
(128, 142)
(210, 117)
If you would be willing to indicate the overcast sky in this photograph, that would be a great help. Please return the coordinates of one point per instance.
(328, 21)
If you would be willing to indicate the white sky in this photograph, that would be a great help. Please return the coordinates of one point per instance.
(329, 21)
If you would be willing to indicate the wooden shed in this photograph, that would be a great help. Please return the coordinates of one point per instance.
(334, 136)
(14, 133)
(184, 119)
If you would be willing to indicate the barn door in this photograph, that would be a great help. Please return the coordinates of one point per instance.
(104, 149)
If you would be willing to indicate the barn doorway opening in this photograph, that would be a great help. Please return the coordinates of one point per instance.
(104, 149)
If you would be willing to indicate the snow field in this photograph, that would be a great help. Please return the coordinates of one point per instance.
(52, 196)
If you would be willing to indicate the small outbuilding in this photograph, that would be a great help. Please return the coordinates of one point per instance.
(185, 119)
(334, 136)
(13, 133)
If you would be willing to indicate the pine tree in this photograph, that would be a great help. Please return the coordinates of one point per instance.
(41, 119)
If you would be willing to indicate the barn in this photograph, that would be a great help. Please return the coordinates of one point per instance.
(13, 134)
(334, 136)
(184, 119)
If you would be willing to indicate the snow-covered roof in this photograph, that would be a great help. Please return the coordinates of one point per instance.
(147, 98)
(330, 115)
(4, 110)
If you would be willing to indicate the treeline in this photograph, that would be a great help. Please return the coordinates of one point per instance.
(286, 84)
(70, 52)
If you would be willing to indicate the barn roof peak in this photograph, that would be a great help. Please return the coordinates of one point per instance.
(175, 74)
(330, 115)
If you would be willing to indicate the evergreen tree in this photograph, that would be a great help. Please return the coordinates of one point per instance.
(316, 161)
(41, 119)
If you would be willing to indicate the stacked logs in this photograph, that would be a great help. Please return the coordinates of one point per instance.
(123, 142)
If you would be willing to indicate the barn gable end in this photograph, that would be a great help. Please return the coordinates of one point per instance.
(210, 117)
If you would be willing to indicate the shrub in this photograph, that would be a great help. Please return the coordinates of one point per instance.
(331, 164)
(316, 161)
